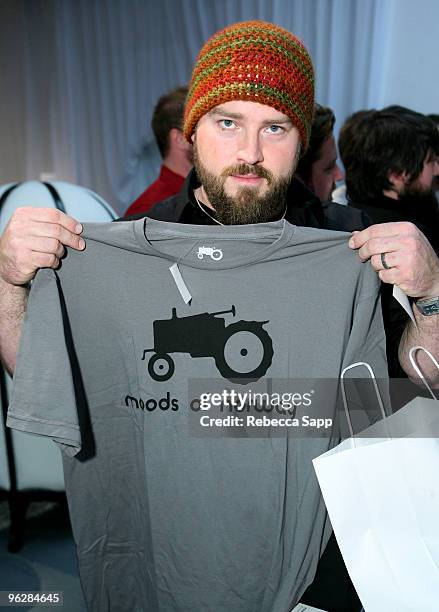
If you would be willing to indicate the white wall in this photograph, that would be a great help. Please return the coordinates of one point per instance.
(412, 62)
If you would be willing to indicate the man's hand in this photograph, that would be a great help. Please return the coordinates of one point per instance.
(414, 266)
(35, 238)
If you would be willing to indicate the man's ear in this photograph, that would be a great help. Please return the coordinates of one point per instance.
(178, 139)
(398, 180)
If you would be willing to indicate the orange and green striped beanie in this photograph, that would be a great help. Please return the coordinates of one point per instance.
(255, 61)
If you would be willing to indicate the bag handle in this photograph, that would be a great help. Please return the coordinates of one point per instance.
(343, 393)
(417, 369)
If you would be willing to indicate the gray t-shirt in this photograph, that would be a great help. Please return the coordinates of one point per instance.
(164, 520)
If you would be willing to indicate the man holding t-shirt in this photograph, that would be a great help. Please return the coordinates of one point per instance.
(248, 114)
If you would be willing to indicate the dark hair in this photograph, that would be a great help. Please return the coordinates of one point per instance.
(168, 114)
(347, 141)
(395, 139)
(321, 129)
(434, 118)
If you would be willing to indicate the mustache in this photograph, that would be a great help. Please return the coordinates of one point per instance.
(243, 169)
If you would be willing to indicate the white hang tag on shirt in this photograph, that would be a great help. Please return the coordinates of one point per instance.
(181, 285)
(402, 299)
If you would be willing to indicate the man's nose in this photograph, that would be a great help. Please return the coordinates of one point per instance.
(250, 151)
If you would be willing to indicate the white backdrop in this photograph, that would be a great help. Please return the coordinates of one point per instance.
(79, 78)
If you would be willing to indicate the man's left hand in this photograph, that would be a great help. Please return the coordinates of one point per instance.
(413, 264)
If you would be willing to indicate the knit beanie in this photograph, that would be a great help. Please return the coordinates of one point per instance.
(253, 61)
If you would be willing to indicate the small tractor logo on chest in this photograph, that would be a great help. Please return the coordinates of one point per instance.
(212, 252)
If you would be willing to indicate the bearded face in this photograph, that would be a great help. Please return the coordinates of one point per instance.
(245, 154)
(246, 205)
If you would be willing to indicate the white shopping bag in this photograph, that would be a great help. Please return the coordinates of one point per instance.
(382, 496)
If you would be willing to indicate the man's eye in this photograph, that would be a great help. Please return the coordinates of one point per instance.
(275, 129)
(227, 124)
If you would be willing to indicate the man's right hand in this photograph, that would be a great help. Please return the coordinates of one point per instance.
(35, 238)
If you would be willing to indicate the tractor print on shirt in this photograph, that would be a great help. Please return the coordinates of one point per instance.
(241, 350)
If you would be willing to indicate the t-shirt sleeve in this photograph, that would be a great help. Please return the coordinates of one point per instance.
(44, 397)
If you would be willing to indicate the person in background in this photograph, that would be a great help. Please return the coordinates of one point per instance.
(312, 187)
(175, 150)
(390, 164)
(347, 141)
(390, 160)
(318, 168)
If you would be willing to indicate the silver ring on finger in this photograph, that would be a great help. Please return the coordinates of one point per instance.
(384, 262)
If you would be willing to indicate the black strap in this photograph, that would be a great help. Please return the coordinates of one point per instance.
(104, 205)
(6, 192)
(55, 196)
(53, 192)
(59, 204)
(8, 434)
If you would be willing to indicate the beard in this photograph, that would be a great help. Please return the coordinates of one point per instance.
(246, 206)
(419, 200)
(422, 207)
